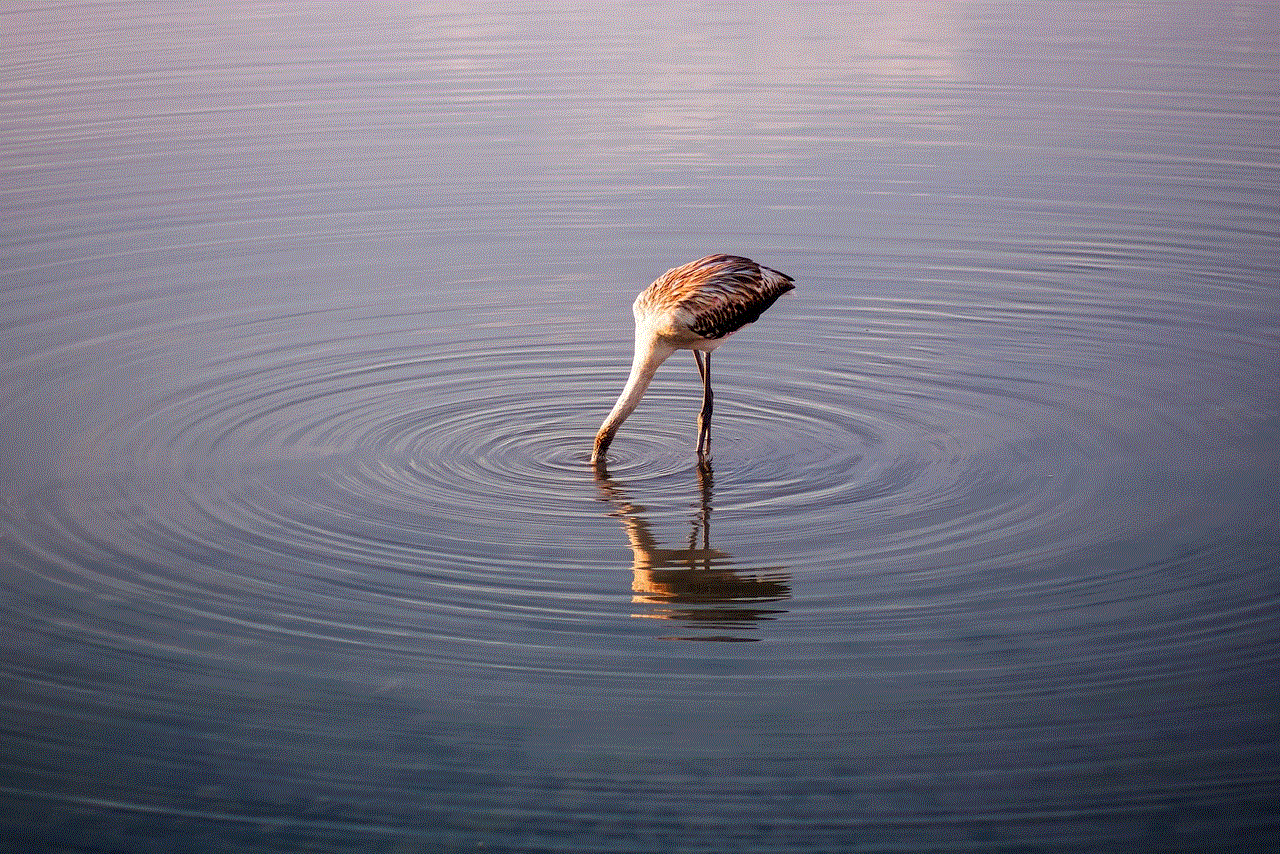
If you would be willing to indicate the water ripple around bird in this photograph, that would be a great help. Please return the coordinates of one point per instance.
(425, 451)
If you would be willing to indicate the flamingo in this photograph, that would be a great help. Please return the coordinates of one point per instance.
(692, 307)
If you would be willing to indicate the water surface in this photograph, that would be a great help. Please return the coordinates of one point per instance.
(309, 318)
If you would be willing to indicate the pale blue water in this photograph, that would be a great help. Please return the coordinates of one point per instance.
(309, 316)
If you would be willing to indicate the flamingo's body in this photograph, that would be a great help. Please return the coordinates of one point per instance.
(693, 307)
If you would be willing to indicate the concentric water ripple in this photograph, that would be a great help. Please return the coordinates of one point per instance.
(423, 453)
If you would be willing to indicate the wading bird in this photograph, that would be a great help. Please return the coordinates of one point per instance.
(694, 307)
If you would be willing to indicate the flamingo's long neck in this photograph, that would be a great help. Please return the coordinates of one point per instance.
(649, 354)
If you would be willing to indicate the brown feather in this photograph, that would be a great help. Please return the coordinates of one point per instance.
(720, 293)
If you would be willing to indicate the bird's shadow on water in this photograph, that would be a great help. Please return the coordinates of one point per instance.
(696, 586)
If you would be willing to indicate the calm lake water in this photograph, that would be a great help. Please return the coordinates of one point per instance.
(309, 316)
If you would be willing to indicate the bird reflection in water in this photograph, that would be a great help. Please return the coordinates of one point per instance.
(696, 586)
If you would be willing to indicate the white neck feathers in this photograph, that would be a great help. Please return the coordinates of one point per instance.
(649, 354)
